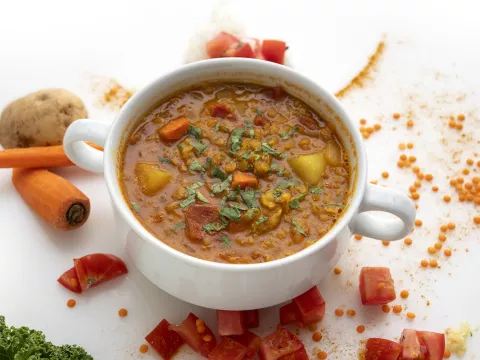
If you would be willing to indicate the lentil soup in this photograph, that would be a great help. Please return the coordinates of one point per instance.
(235, 173)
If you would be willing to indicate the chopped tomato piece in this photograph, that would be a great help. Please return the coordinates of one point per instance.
(381, 349)
(251, 319)
(240, 49)
(250, 340)
(174, 129)
(230, 322)
(279, 344)
(289, 314)
(310, 305)
(244, 180)
(278, 93)
(434, 344)
(198, 215)
(300, 354)
(199, 338)
(411, 345)
(274, 51)
(221, 110)
(260, 120)
(309, 122)
(94, 269)
(164, 340)
(228, 349)
(376, 286)
(220, 44)
(69, 279)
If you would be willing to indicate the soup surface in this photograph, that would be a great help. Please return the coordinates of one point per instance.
(235, 173)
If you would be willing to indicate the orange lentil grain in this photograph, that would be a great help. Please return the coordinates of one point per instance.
(122, 312)
(339, 312)
(369, 129)
(417, 183)
(313, 327)
(438, 246)
(404, 294)
(386, 308)
(428, 177)
(410, 123)
(403, 157)
(71, 303)
(143, 348)
(451, 225)
(416, 169)
(396, 116)
(385, 243)
(201, 329)
(415, 196)
(410, 145)
(477, 200)
(351, 312)
(401, 146)
(470, 162)
(461, 117)
(435, 188)
(412, 159)
(424, 263)
(476, 180)
(322, 355)
(407, 241)
(442, 237)
(400, 164)
(447, 198)
(358, 237)
(443, 228)
(446, 354)
(362, 129)
(363, 121)
(447, 252)
(360, 329)
(207, 338)
(418, 222)
(411, 315)
(317, 336)
(385, 174)
(453, 182)
(459, 187)
(412, 189)
(397, 309)
(460, 180)
(465, 171)
(432, 250)
(469, 197)
(468, 186)
(337, 271)
(377, 127)
(452, 124)
(476, 219)
(478, 163)
(459, 126)
(420, 176)
(433, 263)
(365, 135)
(374, 182)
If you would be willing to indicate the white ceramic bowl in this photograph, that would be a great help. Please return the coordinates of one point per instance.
(229, 286)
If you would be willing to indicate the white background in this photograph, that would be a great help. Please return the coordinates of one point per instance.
(429, 71)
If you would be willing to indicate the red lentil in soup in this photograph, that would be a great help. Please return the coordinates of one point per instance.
(235, 173)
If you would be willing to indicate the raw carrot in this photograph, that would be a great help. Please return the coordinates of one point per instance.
(36, 157)
(174, 129)
(243, 180)
(53, 198)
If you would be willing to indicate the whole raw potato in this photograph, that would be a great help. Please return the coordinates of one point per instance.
(39, 118)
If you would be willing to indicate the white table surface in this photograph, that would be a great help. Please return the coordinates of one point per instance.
(429, 70)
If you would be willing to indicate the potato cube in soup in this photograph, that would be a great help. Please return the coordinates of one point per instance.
(310, 168)
(151, 178)
(333, 153)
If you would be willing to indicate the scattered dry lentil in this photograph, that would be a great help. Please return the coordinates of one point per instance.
(360, 329)
(396, 116)
(459, 126)
(418, 222)
(476, 219)
(410, 315)
(71, 303)
(339, 312)
(435, 188)
(358, 237)
(433, 263)
(122, 312)
(424, 263)
(415, 196)
(385, 174)
(446, 354)
(397, 309)
(443, 228)
(410, 123)
(407, 241)
(207, 338)
(410, 145)
(404, 294)
(143, 348)
(351, 312)
(442, 237)
(428, 177)
(461, 117)
(412, 159)
(416, 169)
(317, 336)
(451, 225)
(322, 355)
(386, 308)
(337, 271)
(432, 250)
(420, 176)
(465, 171)
(385, 243)
(447, 252)
(401, 146)
(447, 198)
(438, 246)
(470, 162)
(313, 327)
(377, 127)
(363, 121)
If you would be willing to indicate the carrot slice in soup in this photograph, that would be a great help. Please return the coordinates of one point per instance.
(174, 129)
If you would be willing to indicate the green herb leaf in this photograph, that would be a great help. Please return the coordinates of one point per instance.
(196, 132)
(217, 127)
(188, 201)
(232, 196)
(218, 173)
(261, 219)
(299, 228)
(286, 135)
(295, 203)
(246, 155)
(181, 145)
(249, 196)
(269, 150)
(191, 189)
(208, 162)
(316, 190)
(277, 193)
(274, 167)
(201, 197)
(231, 213)
(215, 226)
(287, 184)
(164, 160)
(217, 188)
(236, 139)
(135, 206)
(248, 123)
(251, 213)
(199, 146)
(196, 166)
(239, 207)
(226, 241)
(334, 205)
(259, 112)
(180, 225)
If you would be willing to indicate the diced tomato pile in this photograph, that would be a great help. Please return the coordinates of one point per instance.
(376, 286)
(227, 45)
(306, 308)
(92, 270)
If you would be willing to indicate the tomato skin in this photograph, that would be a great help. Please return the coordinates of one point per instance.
(279, 344)
(69, 279)
(274, 51)
(252, 319)
(250, 341)
(310, 305)
(217, 47)
(164, 340)
(188, 332)
(228, 349)
(376, 286)
(434, 344)
(381, 349)
(230, 322)
(289, 314)
(94, 269)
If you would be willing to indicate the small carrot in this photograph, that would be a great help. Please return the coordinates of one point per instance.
(37, 157)
(53, 198)
(174, 129)
(243, 180)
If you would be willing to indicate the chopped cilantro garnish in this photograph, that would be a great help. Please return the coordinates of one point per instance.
(218, 173)
(246, 155)
(248, 123)
(226, 241)
(334, 205)
(196, 166)
(198, 146)
(191, 189)
(259, 112)
(299, 228)
(208, 162)
(222, 186)
(232, 196)
(180, 225)
(201, 197)
(196, 132)
(135, 206)
(251, 212)
(286, 135)
(239, 207)
(216, 226)
(164, 160)
(295, 203)
(277, 193)
(249, 196)
(236, 139)
(231, 213)
(316, 190)
(287, 184)
(188, 201)
(269, 150)
(261, 219)
(181, 145)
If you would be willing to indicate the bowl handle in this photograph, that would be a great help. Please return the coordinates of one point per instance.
(378, 198)
(78, 151)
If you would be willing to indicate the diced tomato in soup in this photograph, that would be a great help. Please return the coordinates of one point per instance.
(228, 349)
(164, 340)
(376, 286)
(196, 334)
(230, 322)
(310, 305)
(381, 349)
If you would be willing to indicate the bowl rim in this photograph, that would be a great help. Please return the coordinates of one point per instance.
(254, 65)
